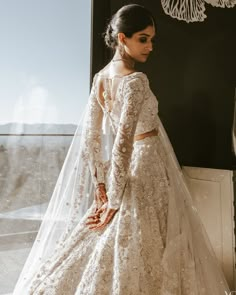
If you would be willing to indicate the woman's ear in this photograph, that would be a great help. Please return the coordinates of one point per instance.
(121, 38)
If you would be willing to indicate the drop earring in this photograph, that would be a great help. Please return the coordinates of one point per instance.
(121, 49)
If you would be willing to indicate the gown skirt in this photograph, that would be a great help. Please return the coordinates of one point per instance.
(127, 256)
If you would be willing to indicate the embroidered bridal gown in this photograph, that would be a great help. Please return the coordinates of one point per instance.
(156, 243)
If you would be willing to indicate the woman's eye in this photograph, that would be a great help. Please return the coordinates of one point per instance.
(143, 39)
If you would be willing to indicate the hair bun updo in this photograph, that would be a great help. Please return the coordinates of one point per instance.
(129, 19)
(110, 41)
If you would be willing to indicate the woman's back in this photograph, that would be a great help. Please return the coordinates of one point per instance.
(113, 92)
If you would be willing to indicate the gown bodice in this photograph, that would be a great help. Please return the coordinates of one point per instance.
(119, 108)
(112, 106)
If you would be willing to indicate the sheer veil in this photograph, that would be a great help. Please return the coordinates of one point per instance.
(72, 196)
(188, 248)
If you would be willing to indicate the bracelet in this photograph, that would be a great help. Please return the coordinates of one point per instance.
(100, 184)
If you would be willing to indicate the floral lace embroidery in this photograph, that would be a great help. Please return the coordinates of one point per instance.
(133, 98)
(131, 255)
(93, 137)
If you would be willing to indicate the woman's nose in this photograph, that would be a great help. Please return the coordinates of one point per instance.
(150, 47)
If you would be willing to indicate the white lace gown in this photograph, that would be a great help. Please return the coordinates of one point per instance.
(127, 257)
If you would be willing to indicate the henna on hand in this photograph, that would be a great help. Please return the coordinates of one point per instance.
(100, 196)
(106, 218)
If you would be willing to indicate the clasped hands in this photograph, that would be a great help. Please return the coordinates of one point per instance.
(102, 215)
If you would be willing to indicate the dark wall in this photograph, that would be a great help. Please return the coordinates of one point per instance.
(101, 12)
(192, 72)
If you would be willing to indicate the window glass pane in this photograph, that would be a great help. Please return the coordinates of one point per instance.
(44, 86)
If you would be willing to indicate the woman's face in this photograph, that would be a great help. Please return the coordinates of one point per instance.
(139, 46)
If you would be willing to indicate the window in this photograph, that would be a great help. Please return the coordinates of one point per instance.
(45, 82)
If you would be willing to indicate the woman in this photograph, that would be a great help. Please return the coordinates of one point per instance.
(141, 234)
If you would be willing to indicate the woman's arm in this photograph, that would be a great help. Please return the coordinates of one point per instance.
(93, 137)
(134, 95)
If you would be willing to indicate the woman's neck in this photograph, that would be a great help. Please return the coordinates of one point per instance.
(125, 61)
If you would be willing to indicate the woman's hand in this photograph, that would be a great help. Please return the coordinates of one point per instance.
(102, 217)
(100, 196)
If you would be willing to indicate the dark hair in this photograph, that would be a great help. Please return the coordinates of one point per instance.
(129, 19)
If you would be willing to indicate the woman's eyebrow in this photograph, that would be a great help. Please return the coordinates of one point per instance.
(146, 35)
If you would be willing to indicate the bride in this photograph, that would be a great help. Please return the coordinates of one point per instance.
(121, 219)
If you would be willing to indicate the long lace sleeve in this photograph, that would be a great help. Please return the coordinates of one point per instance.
(134, 96)
(93, 137)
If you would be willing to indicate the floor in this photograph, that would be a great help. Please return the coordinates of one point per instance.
(11, 264)
(18, 231)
